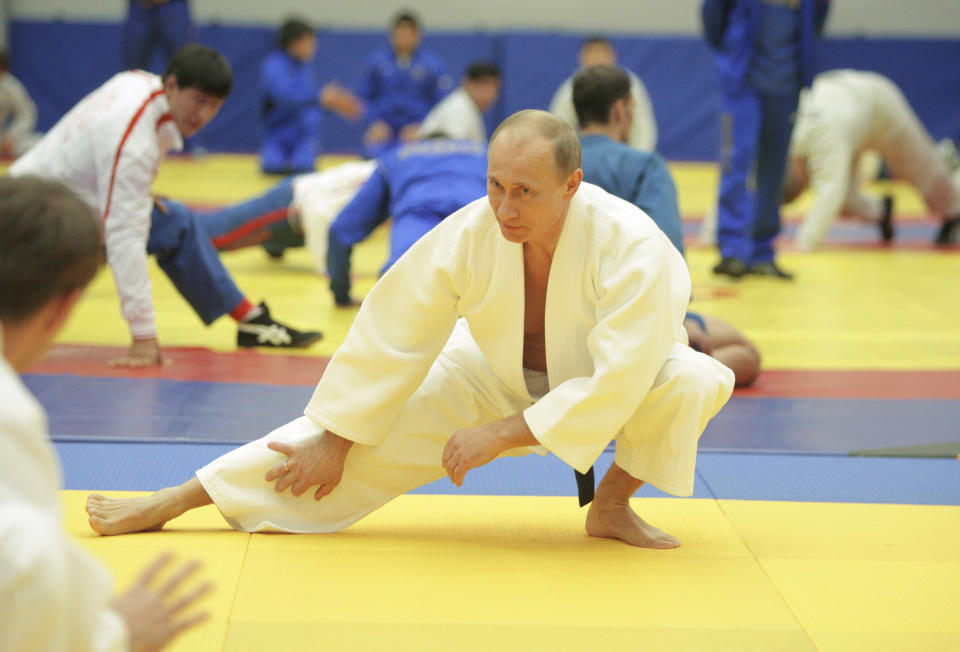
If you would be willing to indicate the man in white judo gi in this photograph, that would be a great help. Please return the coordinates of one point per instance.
(459, 116)
(846, 113)
(547, 316)
(598, 51)
(55, 596)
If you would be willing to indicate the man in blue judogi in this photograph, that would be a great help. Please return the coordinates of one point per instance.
(763, 51)
(417, 184)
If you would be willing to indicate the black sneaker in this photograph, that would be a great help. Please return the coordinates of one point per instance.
(949, 231)
(886, 221)
(770, 269)
(263, 330)
(732, 267)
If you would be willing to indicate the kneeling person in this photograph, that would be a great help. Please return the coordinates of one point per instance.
(463, 351)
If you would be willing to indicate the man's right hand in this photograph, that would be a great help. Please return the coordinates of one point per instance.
(155, 616)
(318, 461)
(142, 353)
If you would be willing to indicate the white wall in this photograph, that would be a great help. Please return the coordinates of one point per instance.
(931, 18)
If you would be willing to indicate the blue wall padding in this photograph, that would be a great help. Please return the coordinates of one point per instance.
(60, 61)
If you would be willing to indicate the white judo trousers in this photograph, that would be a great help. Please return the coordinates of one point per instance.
(460, 391)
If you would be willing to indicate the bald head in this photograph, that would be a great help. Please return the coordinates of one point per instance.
(532, 124)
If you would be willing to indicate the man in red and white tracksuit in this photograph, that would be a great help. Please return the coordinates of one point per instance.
(108, 148)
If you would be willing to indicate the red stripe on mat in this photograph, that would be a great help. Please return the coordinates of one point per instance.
(252, 366)
(855, 384)
(196, 364)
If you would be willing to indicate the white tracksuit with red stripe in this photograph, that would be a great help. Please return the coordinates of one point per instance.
(108, 148)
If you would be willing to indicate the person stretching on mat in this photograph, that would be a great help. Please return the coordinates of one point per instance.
(446, 366)
(108, 148)
(53, 594)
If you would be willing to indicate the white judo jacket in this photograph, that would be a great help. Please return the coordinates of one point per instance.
(54, 596)
(108, 149)
(457, 117)
(616, 298)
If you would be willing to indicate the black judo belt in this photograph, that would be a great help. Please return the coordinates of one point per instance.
(585, 486)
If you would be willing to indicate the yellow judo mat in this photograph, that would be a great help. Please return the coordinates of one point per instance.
(519, 573)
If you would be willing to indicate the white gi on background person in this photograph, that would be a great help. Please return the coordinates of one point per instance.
(459, 116)
(598, 51)
(844, 114)
(463, 351)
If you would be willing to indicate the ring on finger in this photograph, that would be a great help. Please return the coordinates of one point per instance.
(286, 469)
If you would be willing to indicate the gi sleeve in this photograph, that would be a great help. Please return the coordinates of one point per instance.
(715, 14)
(55, 595)
(369, 90)
(829, 164)
(643, 294)
(643, 132)
(126, 204)
(402, 325)
(562, 105)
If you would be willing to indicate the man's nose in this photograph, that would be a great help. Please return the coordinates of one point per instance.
(506, 209)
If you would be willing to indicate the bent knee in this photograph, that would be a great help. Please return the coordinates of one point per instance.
(697, 375)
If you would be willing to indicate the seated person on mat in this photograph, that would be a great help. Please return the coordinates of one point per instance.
(601, 95)
(54, 594)
(445, 367)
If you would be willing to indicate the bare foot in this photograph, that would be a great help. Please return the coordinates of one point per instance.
(123, 515)
(615, 519)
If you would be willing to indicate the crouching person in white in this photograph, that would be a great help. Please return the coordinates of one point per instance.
(545, 316)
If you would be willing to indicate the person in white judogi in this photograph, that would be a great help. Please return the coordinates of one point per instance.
(464, 351)
(598, 51)
(459, 116)
(55, 596)
(844, 114)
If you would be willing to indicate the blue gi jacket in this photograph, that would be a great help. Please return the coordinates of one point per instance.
(731, 28)
(289, 92)
(400, 95)
(417, 184)
(641, 178)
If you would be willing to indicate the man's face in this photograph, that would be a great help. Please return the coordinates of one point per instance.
(303, 48)
(529, 196)
(405, 38)
(484, 92)
(191, 108)
(597, 54)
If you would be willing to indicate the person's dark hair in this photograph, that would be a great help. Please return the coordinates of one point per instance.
(4, 60)
(291, 30)
(479, 70)
(406, 17)
(51, 244)
(566, 145)
(198, 66)
(596, 39)
(595, 89)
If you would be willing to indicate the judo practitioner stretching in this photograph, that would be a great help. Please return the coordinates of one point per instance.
(546, 316)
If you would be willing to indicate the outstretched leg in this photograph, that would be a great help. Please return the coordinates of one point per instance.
(611, 517)
(143, 513)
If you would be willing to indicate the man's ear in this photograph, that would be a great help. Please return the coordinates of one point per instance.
(573, 183)
(170, 83)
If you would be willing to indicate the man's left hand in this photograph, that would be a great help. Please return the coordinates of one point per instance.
(472, 447)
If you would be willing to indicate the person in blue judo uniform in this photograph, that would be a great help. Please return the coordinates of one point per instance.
(293, 103)
(401, 84)
(763, 50)
(417, 184)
